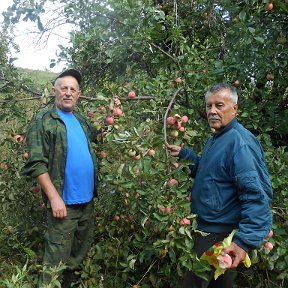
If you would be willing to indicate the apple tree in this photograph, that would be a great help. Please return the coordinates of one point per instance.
(158, 58)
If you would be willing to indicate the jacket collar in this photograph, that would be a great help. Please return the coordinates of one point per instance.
(228, 127)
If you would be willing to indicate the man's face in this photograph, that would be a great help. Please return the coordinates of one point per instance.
(66, 91)
(220, 110)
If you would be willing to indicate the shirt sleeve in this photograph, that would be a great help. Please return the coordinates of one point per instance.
(191, 156)
(255, 194)
(38, 149)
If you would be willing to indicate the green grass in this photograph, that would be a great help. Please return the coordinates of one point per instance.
(38, 78)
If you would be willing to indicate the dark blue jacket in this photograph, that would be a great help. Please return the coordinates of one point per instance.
(232, 187)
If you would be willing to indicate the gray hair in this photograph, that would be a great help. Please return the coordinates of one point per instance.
(222, 86)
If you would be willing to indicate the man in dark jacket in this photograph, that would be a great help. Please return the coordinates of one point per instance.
(64, 163)
(231, 189)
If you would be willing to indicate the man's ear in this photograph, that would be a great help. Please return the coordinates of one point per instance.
(235, 107)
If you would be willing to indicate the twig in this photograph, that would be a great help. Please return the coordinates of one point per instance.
(167, 111)
(150, 267)
(141, 98)
(167, 54)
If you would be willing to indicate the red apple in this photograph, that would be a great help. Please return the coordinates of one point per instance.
(26, 155)
(184, 118)
(268, 246)
(117, 112)
(177, 125)
(109, 120)
(270, 234)
(116, 218)
(102, 109)
(35, 189)
(225, 261)
(181, 129)
(176, 164)
(91, 114)
(146, 131)
(103, 154)
(178, 80)
(137, 157)
(168, 210)
(3, 166)
(185, 221)
(18, 138)
(270, 76)
(151, 152)
(131, 95)
(236, 83)
(172, 182)
(170, 120)
(269, 6)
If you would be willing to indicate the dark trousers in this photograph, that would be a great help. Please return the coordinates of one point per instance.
(202, 244)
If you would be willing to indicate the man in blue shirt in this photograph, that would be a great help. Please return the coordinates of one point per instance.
(63, 161)
(231, 189)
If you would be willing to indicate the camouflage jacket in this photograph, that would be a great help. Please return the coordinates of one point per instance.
(47, 147)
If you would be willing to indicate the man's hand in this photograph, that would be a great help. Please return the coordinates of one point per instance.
(58, 207)
(174, 149)
(57, 204)
(237, 254)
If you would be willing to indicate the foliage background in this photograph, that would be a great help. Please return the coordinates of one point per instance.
(144, 46)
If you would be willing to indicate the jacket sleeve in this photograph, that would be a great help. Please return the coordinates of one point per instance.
(191, 156)
(255, 194)
(38, 149)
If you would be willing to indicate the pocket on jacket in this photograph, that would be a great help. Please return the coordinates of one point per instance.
(211, 196)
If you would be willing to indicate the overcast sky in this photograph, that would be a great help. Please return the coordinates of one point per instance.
(32, 55)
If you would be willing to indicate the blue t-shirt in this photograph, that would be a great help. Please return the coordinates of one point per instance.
(79, 170)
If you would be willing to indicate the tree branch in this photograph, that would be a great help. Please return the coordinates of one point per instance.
(167, 54)
(166, 114)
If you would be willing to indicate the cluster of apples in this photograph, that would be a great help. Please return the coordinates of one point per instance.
(177, 123)
(116, 112)
(183, 221)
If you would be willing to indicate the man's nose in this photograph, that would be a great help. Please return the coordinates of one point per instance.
(69, 92)
(213, 109)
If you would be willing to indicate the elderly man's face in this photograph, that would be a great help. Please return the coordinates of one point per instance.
(66, 91)
(220, 110)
